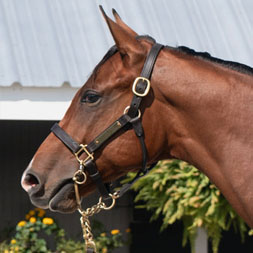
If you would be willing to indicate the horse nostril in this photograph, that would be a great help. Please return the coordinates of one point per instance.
(29, 181)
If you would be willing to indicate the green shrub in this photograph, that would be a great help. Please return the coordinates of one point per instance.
(30, 237)
(178, 191)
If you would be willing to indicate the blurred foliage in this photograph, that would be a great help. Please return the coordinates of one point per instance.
(30, 236)
(176, 190)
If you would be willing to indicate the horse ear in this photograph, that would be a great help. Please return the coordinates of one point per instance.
(122, 24)
(128, 46)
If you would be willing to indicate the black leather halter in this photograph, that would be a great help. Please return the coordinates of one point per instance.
(131, 117)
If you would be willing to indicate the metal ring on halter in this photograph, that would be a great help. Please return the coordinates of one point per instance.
(127, 108)
(76, 179)
(114, 197)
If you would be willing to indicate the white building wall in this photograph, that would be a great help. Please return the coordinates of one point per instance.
(34, 103)
(46, 43)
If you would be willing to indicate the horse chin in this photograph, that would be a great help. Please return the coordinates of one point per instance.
(63, 201)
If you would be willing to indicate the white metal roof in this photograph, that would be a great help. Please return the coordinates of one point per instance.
(51, 42)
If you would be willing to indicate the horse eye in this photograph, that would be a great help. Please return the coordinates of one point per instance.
(90, 97)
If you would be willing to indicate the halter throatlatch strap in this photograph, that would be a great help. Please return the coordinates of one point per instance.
(131, 116)
(140, 89)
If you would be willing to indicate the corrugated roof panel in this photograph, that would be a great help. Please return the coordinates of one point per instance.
(51, 42)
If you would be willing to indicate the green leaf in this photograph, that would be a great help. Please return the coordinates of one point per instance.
(177, 190)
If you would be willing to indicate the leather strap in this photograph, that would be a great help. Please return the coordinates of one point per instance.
(65, 138)
(90, 166)
(108, 133)
(146, 73)
(136, 101)
(125, 188)
(126, 119)
(95, 176)
(138, 129)
(97, 142)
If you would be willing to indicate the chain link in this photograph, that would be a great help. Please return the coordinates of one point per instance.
(87, 234)
(85, 214)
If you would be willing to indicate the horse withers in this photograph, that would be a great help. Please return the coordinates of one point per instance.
(198, 109)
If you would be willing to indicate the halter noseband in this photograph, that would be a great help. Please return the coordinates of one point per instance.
(130, 117)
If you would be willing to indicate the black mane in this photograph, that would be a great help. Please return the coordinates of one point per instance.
(242, 68)
(206, 56)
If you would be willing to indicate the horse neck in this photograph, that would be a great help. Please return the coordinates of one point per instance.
(208, 110)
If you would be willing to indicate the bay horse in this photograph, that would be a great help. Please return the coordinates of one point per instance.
(199, 109)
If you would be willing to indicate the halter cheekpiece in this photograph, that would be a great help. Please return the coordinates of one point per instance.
(130, 118)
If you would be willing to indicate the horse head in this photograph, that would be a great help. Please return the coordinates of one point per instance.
(98, 103)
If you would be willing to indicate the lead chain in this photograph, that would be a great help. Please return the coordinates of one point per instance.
(87, 234)
(85, 214)
(85, 223)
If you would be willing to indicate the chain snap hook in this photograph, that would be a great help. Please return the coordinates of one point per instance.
(113, 196)
(80, 176)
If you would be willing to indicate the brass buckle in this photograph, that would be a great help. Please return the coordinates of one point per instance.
(83, 149)
(146, 90)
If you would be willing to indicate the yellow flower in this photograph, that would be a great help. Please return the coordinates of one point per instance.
(6, 251)
(13, 241)
(27, 217)
(104, 250)
(41, 213)
(21, 223)
(114, 231)
(16, 249)
(32, 212)
(48, 221)
(103, 234)
(128, 230)
(32, 220)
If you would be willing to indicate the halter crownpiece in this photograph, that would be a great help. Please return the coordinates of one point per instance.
(132, 117)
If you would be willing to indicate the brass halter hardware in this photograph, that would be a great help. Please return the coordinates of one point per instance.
(85, 214)
(145, 93)
(127, 108)
(80, 176)
(80, 151)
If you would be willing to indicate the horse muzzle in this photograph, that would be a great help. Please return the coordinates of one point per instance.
(34, 186)
(58, 197)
